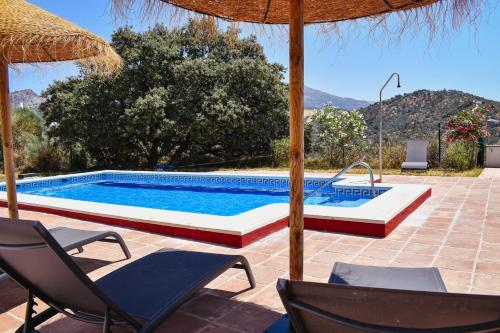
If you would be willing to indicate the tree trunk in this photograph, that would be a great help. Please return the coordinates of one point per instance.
(153, 157)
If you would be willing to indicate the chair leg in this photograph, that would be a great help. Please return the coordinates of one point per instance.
(107, 322)
(123, 246)
(30, 322)
(246, 266)
(118, 239)
(30, 303)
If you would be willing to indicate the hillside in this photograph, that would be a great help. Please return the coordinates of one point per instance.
(26, 97)
(315, 99)
(416, 115)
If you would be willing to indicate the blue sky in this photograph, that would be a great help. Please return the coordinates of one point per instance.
(467, 59)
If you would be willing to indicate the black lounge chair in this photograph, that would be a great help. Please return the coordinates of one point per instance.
(71, 239)
(140, 295)
(357, 308)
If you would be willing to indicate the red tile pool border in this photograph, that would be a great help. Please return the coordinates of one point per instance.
(363, 228)
(201, 235)
(323, 224)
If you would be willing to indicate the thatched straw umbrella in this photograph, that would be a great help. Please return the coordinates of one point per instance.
(296, 13)
(30, 34)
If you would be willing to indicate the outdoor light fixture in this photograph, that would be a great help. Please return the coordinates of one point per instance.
(380, 166)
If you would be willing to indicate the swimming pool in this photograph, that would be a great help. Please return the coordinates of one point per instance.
(195, 198)
(233, 209)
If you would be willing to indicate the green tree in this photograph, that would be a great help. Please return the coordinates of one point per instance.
(190, 94)
(27, 129)
(149, 113)
(337, 133)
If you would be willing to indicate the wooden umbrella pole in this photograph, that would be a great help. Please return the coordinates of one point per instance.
(8, 152)
(296, 139)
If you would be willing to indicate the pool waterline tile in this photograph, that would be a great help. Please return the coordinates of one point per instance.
(237, 230)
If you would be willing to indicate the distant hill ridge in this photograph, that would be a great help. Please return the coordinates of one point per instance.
(315, 99)
(27, 98)
(416, 115)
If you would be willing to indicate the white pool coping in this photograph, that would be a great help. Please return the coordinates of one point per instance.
(379, 210)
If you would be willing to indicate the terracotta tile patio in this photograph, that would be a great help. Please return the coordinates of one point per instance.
(457, 230)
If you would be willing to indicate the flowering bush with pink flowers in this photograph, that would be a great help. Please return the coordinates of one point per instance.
(468, 126)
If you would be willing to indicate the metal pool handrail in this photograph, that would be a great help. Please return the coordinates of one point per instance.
(344, 170)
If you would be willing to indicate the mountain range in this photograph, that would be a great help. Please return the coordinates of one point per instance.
(315, 99)
(25, 98)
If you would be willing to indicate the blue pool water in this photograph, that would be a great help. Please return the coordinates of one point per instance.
(214, 200)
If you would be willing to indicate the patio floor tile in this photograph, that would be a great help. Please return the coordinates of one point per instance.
(419, 248)
(413, 260)
(217, 329)
(457, 252)
(455, 264)
(249, 318)
(488, 268)
(8, 322)
(181, 321)
(487, 282)
(457, 230)
(209, 306)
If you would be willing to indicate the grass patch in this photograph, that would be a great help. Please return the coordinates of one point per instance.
(432, 172)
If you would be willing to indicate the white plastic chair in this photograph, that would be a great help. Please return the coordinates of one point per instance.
(416, 155)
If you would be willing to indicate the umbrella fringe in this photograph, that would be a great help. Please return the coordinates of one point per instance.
(441, 16)
(90, 52)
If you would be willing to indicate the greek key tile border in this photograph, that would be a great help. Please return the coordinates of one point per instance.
(195, 179)
(30, 185)
(214, 180)
(363, 192)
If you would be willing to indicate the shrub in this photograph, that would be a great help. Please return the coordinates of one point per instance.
(280, 152)
(44, 157)
(457, 156)
(433, 154)
(27, 128)
(468, 126)
(338, 135)
(393, 156)
(317, 163)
